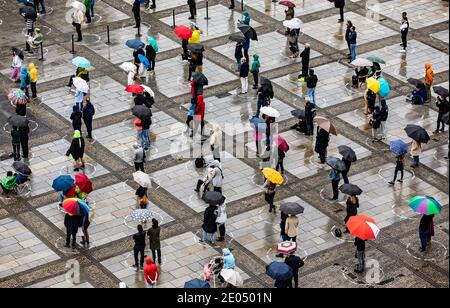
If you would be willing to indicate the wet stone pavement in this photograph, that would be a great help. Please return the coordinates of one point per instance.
(31, 223)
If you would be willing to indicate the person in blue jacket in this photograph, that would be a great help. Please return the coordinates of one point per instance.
(228, 259)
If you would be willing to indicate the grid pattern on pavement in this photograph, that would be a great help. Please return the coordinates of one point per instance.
(162, 5)
(61, 282)
(443, 36)
(435, 159)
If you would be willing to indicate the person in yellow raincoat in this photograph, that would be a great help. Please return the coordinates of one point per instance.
(34, 77)
(195, 38)
(429, 78)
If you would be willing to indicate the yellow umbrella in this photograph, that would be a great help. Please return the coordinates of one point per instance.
(273, 175)
(373, 85)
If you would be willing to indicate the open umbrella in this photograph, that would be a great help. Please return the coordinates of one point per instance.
(144, 61)
(347, 153)
(237, 37)
(134, 88)
(213, 198)
(200, 79)
(141, 111)
(148, 90)
(258, 124)
(425, 205)
(141, 215)
(18, 121)
(363, 227)
(287, 3)
(128, 67)
(445, 118)
(143, 179)
(350, 189)
(270, 112)
(84, 183)
(441, 91)
(298, 113)
(28, 12)
(281, 143)
(292, 208)
(79, 6)
(385, 89)
(336, 164)
(153, 43)
(376, 60)
(373, 84)
(63, 183)
(183, 32)
(135, 44)
(398, 147)
(75, 207)
(417, 133)
(196, 284)
(197, 48)
(81, 62)
(81, 85)
(279, 271)
(273, 176)
(286, 247)
(294, 23)
(415, 82)
(232, 277)
(248, 32)
(17, 96)
(21, 168)
(361, 62)
(326, 125)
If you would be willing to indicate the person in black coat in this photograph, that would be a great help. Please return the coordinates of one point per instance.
(360, 254)
(340, 4)
(322, 140)
(24, 131)
(139, 248)
(243, 74)
(348, 31)
(88, 115)
(376, 123)
(238, 55)
(295, 263)
(209, 224)
(150, 53)
(309, 118)
(21, 109)
(72, 223)
(76, 150)
(76, 117)
(348, 165)
(443, 106)
(139, 99)
(305, 55)
(351, 209)
(136, 10)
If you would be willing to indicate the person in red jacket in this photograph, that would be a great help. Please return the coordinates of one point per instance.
(199, 115)
(151, 274)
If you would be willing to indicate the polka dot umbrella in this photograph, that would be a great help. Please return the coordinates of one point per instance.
(141, 215)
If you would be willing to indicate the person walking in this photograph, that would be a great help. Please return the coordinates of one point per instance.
(209, 224)
(215, 141)
(139, 157)
(151, 274)
(139, 248)
(352, 41)
(15, 142)
(322, 140)
(243, 74)
(76, 117)
(429, 78)
(24, 131)
(416, 150)
(280, 160)
(384, 114)
(305, 55)
(360, 254)
(87, 14)
(340, 4)
(311, 83)
(72, 223)
(76, 151)
(192, 9)
(335, 177)
(88, 116)
(376, 123)
(348, 32)
(443, 108)
(77, 21)
(33, 79)
(255, 71)
(136, 10)
(404, 29)
(269, 195)
(155, 240)
(348, 165)
(399, 167)
(295, 263)
(425, 226)
(292, 228)
(352, 206)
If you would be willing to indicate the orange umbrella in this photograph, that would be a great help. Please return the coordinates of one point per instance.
(363, 227)
(326, 125)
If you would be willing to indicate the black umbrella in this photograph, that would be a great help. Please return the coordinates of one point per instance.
(237, 37)
(142, 112)
(347, 153)
(441, 91)
(248, 32)
(21, 168)
(266, 85)
(200, 79)
(298, 113)
(417, 133)
(336, 164)
(292, 208)
(445, 118)
(350, 189)
(213, 198)
(197, 48)
(415, 82)
(18, 121)
(28, 12)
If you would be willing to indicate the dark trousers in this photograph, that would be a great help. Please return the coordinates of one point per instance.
(138, 250)
(335, 185)
(156, 252)
(24, 144)
(88, 16)
(16, 151)
(323, 156)
(246, 55)
(33, 90)
(218, 189)
(88, 123)
(439, 121)
(341, 12)
(397, 169)
(78, 29)
(137, 19)
(345, 176)
(222, 230)
(269, 199)
(280, 166)
(139, 166)
(295, 276)
(152, 64)
(193, 10)
(255, 79)
(74, 239)
(405, 39)
(423, 235)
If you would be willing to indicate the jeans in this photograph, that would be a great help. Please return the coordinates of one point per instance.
(312, 94)
(33, 90)
(92, 7)
(139, 250)
(144, 137)
(353, 51)
(404, 39)
(204, 235)
(238, 63)
(423, 235)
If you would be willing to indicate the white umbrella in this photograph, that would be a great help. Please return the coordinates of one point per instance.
(361, 62)
(81, 84)
(141, 215)
(142, 179)
(232, 277)
(128, 67)
(148, 90)
(79, 6)
(294, 23)
(269, 111)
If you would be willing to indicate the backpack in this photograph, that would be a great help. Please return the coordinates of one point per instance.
(200, 162)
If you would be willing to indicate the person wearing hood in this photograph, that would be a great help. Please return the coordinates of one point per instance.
(255, 71)
(8, 183)
(243, 74)
(76, 151)
(291, 228)
(209, 224)
(199, 116)
(139, 248)
(310, 113)
(311, 83)
(215, 141)
(246, 20)
(25, 81)
(151, 274)
(221, 220)
(322, 140)
(76, 117)
(139, 157)
(238, 55)
(295, 263)
(429, 78)
(229, 261)
(154, 240)
(88, 116)
(305, 55)
(352, 41)
(33, 78)
(150, 54)
(195, 37)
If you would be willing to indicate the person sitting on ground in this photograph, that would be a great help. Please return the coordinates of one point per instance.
(419, 95)
(21, 178)
(8, 183)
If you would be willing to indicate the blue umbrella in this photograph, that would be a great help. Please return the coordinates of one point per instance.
(257, 123)
(279, 271)
(81, 62)
(398, 147)
(135, 44)
(196, 284)
(63, 183)
(25, 1)
(384, 88)
(144, 60)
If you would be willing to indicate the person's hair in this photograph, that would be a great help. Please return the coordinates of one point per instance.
(349, 22)
(404, 14)
(155, 223)
(9, 173)
(140, 228)
(353, 28)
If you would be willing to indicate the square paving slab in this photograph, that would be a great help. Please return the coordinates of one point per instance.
(276, 11)
(435, 159)
(443, 36)
(61, 282)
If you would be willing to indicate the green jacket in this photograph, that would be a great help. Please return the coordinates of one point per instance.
(87, 4)
(255, 65)
(9, 182)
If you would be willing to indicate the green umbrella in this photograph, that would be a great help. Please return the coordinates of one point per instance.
(152, 42)
(376, 59)
(425, 205)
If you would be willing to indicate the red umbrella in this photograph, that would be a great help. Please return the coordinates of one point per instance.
(363, 227)
(183, 32)
(83, 183)
(287, 3)
(134, 88)
(281, 143)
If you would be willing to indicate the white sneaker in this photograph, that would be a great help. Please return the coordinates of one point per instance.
(403, 50)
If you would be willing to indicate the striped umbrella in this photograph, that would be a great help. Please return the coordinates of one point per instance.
(425, 205)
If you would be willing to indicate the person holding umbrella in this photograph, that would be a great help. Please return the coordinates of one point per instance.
(76, 151)
(348, 157)
(289, 12)
(273, 178)
(416, 150)
(243, 75)
(322, 140)
(295, 263)
(72, 224)
(443, 106)
(419, 135)
(352, 204)
(281, 273)
(426, 231)
(291, 228)
(428, 207)
(293, 44)
(150, 52)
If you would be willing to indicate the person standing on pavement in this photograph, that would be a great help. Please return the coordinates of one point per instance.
(416, 150)
(87, 4)
(352, 41)
(34, 77)
(360, 254)
(376, 123)
(72, 223)
(322, 140)
(295, 263)
(305, 55)
(136, 10)
(77, 21)
(243, 74)
(155, 240)
(231, 7)
(151, 274)
(139, 157)
(310, 112)
(209, 224)
(238, 55)
(215, 141)
(76, 151)
(139, 248)
(246, 48)
(76, 117)
(345, 172)
(255, 71)
(425, 226)
(404, 29)
(335, 177)
(352, 206)
(269, 195)
(192, 9)
(88, 116)
(348, 31)
(340, 4)
(384, 114)
(311, 83)
(443, 106)
(15, 142)
(221, 220)
(150, 54)
(429, 78)
(24, 131)
(292, 227)
(29, 26)
(399, 167)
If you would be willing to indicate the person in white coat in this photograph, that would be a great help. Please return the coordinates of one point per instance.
(77, 21)
(215, 141)
(213, 179)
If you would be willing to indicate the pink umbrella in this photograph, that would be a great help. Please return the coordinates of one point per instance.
(287, 3)
(281, 143)
(286, 247)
